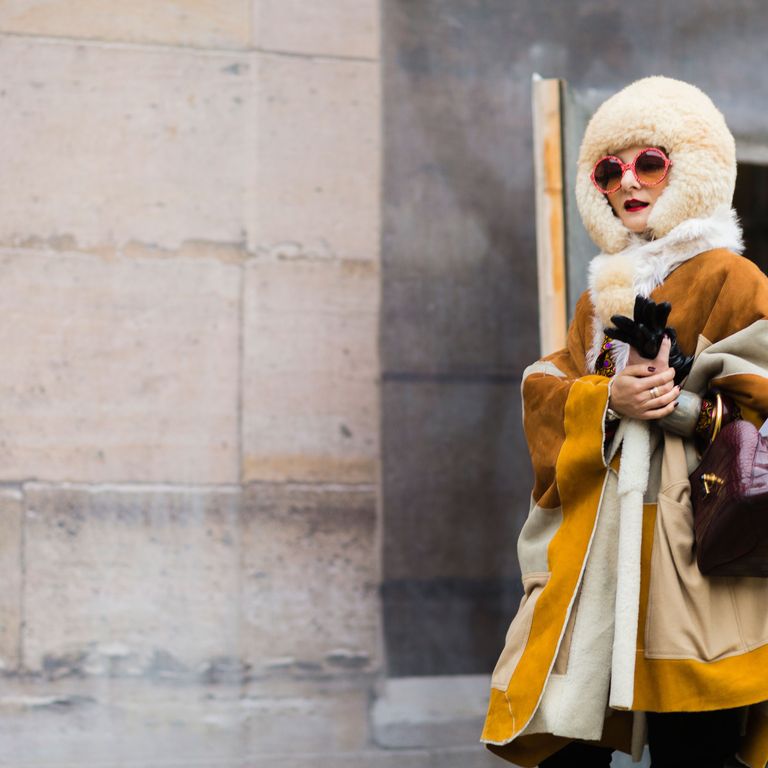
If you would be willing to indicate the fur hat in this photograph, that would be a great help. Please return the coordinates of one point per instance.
(659, 112)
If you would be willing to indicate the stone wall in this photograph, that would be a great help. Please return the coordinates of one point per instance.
(189, 278)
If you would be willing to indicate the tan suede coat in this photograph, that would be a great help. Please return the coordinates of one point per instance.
(701, 643)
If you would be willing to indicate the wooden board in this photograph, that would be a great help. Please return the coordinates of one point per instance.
(550, 213)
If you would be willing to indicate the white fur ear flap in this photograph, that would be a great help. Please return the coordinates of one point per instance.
(611, 284)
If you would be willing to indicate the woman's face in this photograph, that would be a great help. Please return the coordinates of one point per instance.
(632, 202)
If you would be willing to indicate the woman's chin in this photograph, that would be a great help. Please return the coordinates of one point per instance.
(637, 223)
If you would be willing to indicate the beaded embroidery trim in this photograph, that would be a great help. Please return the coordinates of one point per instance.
(605, 365)
(706, 414)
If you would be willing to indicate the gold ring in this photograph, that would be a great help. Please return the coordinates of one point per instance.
(654, 393)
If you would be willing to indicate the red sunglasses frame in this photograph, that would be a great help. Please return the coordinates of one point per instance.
(630, 166)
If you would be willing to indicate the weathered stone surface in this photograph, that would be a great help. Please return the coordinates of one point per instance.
(107, 145)
(446, 626)
(430, 712)
(122, 581)
(454, 452)
(326, 721)
(456, 483)
(338, 28)
(10, 577)
(310, 395)
(310, 570)
(118, 369)
(317, 158)
(464, 757)
(204, 23)
(459, 290)
(152, 723)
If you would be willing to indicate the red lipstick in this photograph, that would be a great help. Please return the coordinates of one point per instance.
(635, 205)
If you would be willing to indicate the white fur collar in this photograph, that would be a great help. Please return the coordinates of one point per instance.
(615, 279)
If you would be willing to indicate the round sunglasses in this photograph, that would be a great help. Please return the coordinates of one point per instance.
(649, 167)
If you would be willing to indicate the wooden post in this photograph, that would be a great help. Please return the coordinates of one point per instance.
(550, 210)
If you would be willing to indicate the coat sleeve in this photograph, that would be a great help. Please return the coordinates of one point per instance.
(554, 387)
(736, 326)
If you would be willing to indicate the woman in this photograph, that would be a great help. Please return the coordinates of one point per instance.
(619, 639)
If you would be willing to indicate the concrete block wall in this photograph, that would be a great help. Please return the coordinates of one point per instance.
(189, 444)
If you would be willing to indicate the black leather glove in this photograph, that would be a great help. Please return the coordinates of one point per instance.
(677, 360)
(646, 331)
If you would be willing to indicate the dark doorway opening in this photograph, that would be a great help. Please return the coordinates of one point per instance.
(751, 203)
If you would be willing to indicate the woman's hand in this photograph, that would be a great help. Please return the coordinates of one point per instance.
(632, 390)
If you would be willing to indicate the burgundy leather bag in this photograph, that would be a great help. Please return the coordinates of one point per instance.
(729, 494)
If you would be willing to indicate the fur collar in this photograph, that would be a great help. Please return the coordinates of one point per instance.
(615, 279)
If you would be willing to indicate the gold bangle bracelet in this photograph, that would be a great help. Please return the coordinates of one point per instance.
(718, 417)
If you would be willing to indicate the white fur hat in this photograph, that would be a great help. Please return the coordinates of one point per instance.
(658, 112)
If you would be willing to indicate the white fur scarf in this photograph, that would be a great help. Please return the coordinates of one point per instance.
(614, 281)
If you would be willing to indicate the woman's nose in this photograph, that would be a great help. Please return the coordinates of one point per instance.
(628, 180)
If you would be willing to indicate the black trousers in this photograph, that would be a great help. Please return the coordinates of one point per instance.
(675, 740)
